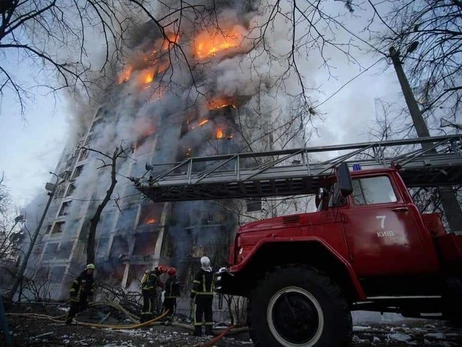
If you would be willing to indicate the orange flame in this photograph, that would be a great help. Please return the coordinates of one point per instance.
(219, 134)
(125, 74)
(148, 129)
(147, 76)
(208, 44)
(221, 102)
(202, 122)
(151, 221)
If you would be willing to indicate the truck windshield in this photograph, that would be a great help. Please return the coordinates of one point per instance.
(373, 190)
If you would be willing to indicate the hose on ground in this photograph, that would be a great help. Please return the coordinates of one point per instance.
(217, 338)
(110, 326)
(58, 319)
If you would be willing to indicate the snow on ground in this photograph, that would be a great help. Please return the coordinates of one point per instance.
(28, 329)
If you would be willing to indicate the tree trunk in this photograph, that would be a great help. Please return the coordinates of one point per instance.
(97, 216)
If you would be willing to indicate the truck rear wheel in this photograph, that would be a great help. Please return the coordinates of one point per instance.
(298, 307)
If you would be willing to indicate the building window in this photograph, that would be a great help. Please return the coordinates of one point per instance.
(373, 190)
(50, 251)
(96, 123)
(89, 139)
(83, 154)
(64, 208)
(102, 248)
(151, 214)
(70, 190)
(48, 229)
(64, 250)
(57, 274)
(58, 228)
(77, 172)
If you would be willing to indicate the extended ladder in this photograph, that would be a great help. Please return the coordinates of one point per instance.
(300, 171)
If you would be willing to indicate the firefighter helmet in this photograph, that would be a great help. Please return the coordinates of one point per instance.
(90, 267)
(205, 262)
(171, 271)
(162, 269)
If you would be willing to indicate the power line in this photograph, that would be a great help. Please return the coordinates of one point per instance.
(348, 82)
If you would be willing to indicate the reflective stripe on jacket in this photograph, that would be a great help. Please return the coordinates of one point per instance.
(82, 285)
(203, 283)
(172, 287)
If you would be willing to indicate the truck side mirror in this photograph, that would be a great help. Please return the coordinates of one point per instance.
(345, 184)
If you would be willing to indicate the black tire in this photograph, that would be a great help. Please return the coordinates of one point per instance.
(298, 307)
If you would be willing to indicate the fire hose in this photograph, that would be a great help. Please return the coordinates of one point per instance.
(217, 338)
(58, 319)
(110, 326)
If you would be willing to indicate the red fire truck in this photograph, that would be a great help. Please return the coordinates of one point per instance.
(367, 247)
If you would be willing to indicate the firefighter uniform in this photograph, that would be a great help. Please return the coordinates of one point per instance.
(81, 291)
(172, 291)
(149, 284)
(202, 294)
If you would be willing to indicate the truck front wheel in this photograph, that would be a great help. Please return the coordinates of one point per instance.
(298, 307)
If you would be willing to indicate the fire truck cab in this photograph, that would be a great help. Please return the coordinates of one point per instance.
(367, 247)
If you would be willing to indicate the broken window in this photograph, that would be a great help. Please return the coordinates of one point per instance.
(64, 208)
(57, 274)
(126, 220)
(89, 140)
(145, 245)
(106, 224)
(64, 250)
(77, 172)
(50, 251)
(59, 191)
(65, 174)
(83, 154)
(58, 228)
(151, 214)
(119, 248)
(102, 248)
(70, 189)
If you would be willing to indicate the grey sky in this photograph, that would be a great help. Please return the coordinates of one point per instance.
(30, 148)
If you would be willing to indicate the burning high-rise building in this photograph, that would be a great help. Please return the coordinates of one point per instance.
(192, 91)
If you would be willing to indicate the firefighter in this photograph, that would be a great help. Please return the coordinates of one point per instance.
(172, 291)
(81, 292)
(149, 284)
(202, 296)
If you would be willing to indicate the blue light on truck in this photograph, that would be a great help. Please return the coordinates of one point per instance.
(357, 167)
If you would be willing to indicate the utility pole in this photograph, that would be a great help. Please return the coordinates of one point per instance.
(51, 192)
(449, 201)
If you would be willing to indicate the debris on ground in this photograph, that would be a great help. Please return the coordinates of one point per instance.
(36, 325)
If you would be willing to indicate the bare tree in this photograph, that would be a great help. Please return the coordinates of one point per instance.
(10, 234)
(58, 38)
(428, 35)
(108, 161)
